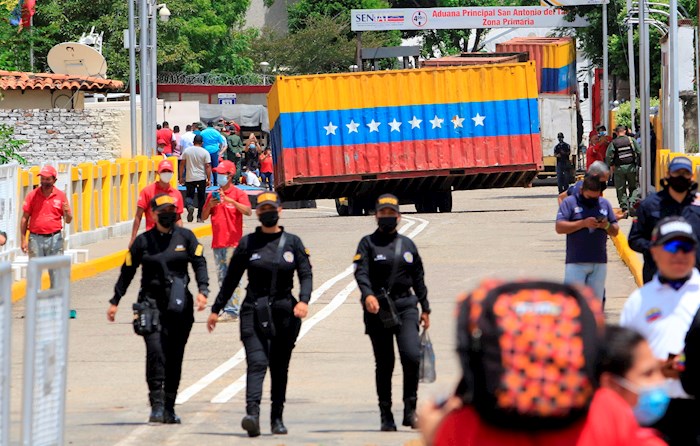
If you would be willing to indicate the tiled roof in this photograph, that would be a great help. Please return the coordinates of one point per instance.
(18, 80)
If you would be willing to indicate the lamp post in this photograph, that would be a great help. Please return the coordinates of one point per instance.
(132, 78)
(264, 66)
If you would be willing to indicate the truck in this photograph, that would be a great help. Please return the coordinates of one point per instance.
(558, 114)
(419, 134)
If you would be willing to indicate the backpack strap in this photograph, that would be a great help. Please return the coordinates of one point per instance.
(395, 263)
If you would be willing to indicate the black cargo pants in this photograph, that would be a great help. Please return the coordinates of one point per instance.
(165, 350)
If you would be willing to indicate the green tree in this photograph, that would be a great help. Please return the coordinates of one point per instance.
(9, 146)
(201, 36)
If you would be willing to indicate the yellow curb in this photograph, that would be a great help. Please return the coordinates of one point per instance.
(91, 268)
(631, 258)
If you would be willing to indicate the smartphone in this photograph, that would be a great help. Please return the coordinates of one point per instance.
(600, 218)
(216, 195)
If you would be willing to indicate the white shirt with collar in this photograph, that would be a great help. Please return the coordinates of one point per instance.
(663, 316)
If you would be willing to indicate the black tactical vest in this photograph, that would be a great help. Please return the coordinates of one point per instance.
(624, 151)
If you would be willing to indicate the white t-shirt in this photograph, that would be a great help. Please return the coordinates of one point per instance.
(251, 179)
(196, 158)
(186, 140)
(663, 316)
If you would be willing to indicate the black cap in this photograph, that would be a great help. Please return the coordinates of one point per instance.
(388, 201)
(672, 228)
(161, 201)
(270, 198)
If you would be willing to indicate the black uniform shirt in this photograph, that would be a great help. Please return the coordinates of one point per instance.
(373, 264)
(152, 249)
(651, 210)
(257, 253)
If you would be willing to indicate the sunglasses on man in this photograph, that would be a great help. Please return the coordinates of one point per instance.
(675, 246)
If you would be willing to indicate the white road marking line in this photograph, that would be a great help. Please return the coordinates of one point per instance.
(239, 357)
(229, 392)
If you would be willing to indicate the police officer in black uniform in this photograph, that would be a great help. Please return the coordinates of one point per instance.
(271, 257)
(374, 264)
(164, 251)
(678, 197)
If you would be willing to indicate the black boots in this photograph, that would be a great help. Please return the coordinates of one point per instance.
(388, 424)
(276, 423)
(251, 422)
(409, 413)
(157, 409)
(169, 416)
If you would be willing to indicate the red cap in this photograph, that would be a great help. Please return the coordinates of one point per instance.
(165, 166)
(225, 167)
(48, 171)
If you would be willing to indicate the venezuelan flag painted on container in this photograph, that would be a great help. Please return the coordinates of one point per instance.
(555, 58)
(409, 120)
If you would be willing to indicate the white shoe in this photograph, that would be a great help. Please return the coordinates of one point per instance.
(227, 317)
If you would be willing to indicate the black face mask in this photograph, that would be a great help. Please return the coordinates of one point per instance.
(269, 219)
(167, 219)
(388, 224)
(679, 184)
(588, 202)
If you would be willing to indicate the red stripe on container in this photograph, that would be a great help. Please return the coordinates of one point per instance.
(456, 153)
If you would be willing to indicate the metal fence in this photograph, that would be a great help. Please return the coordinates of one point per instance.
(9, 209)
(5, 357)
(45, 352)
(215, 79)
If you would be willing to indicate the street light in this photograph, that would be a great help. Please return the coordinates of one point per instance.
(264, 66)
(354, 68)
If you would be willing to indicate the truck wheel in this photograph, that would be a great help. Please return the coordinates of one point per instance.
(419, 206)
(429, 203)
(355, 207)
(342, 209)
(444, 202)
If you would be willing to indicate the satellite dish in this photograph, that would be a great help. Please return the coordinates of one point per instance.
(77, 59)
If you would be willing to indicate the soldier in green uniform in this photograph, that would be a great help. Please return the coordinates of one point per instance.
(624, 156)
(234, 151)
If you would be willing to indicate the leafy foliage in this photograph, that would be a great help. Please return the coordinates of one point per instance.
(624, 112)
(9, 146)
(201, 36)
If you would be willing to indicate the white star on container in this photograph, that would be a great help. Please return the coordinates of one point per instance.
(374, 126)
(330, 128)
(395, 126)
(352, 127)
(478, 120)
(415, 122)
(437, 122)
(457, 121)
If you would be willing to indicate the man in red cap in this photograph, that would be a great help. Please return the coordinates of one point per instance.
(161, 186)
(226, 210)
(43, 211)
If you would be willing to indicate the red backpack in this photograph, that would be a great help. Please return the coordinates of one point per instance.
(529, 352)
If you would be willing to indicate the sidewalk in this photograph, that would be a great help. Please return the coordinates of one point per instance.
(102, 256)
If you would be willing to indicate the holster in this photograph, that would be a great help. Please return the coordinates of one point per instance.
(177, 293)
(146, 317)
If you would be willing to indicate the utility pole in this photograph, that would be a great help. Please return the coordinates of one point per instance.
(644, 98)
(630, 64)
(132, 77)
(674, 106)
(144, 81)
(606, 98)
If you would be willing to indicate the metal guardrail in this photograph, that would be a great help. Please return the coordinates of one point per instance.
(46, 352)
(215, 79)
(5, 352)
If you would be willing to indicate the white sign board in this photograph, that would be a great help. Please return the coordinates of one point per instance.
(461, 18)
(227, 98)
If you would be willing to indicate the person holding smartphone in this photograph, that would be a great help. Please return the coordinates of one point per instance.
(227, 206)
(587, 219)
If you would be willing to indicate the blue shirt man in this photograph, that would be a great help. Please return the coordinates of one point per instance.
(213, 142)
(587, 219)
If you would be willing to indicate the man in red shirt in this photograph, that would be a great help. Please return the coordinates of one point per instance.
(43, 211)
(227, 227)
(161, 186)
(266, 169)
(166, 135)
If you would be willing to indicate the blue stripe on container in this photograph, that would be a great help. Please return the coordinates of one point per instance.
(502, 118)
(558, 79)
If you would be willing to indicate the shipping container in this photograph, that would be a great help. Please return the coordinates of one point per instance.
(417, 133)
(555, 58)
(475, 59)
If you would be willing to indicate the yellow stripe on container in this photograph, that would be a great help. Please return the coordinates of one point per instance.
(432, 85)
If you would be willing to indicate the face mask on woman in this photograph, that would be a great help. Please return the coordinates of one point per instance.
(165, 177)
(652, 401)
